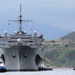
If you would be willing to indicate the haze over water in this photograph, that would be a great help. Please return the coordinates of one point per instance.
(53, 18)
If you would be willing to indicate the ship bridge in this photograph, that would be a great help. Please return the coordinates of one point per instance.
(25, 39)
(22, 38)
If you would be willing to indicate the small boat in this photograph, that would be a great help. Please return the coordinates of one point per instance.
(2, 67)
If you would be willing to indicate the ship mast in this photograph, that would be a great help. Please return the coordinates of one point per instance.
(20, 20)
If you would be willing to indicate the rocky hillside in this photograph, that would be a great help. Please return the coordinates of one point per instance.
(70, 36)
(62, 55)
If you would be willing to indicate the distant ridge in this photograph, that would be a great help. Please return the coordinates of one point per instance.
(69, 36)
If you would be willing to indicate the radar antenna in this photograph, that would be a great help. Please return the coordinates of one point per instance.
(20, 20)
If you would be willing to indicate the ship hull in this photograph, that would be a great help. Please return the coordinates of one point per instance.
(22, 58)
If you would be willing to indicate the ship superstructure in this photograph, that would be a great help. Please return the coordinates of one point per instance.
(21, 51)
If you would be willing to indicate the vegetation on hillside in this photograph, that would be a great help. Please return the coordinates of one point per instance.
(60, 56)
(70, 36)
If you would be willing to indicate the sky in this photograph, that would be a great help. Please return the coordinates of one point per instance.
(52, 18)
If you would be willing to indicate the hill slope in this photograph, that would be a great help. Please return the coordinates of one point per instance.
(62, 55)
(70, 36)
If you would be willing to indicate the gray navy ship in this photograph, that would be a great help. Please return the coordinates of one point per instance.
(21, 51)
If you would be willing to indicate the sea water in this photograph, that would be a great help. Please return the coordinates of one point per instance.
(54, 72)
